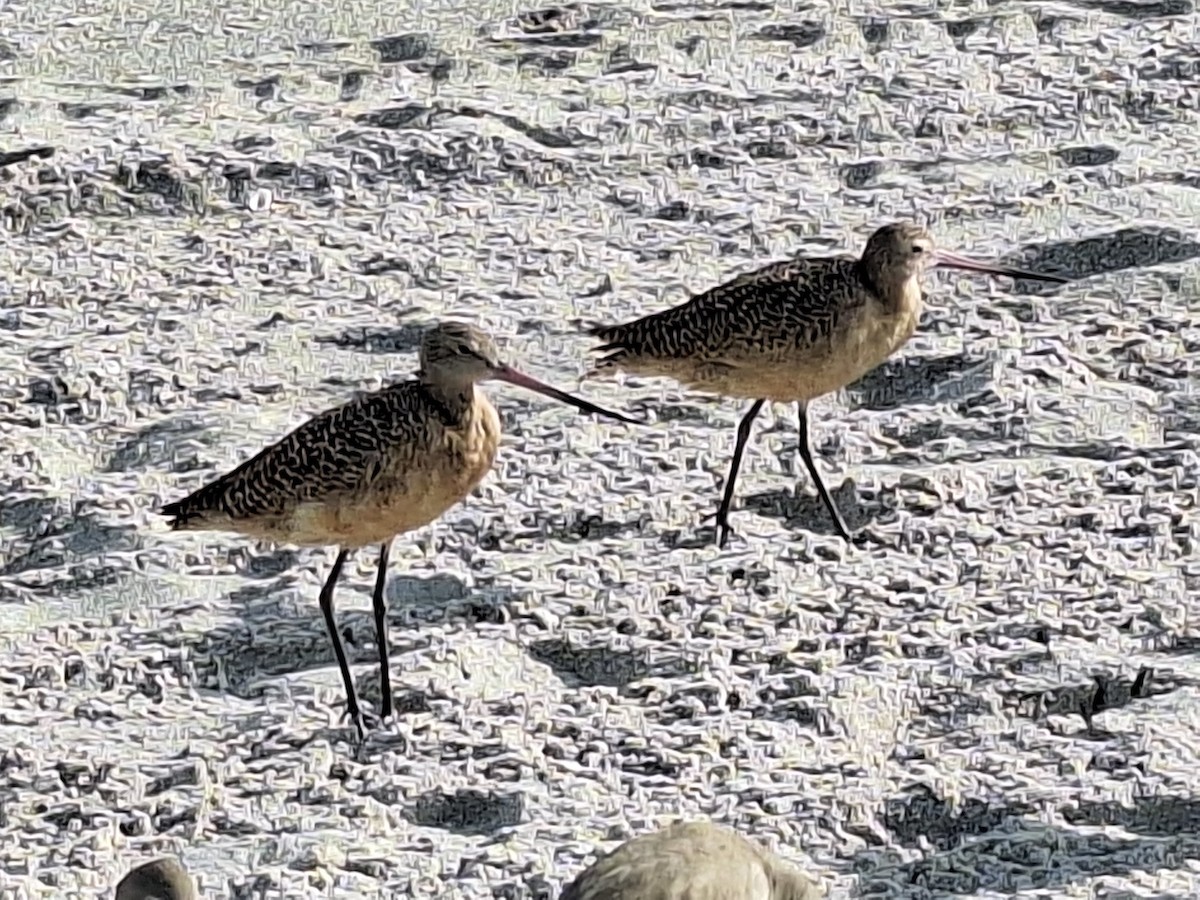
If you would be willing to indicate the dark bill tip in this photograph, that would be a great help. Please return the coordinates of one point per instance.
(946, 259)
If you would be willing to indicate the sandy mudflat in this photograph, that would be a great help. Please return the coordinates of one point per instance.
(242, 215)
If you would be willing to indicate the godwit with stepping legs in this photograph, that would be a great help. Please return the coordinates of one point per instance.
(691, 861)
(161, 879)
(382, 465)
(790, 332)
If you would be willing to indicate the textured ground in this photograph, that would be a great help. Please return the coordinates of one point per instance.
(238, 216)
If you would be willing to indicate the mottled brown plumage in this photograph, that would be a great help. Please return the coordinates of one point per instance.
(691, 861)
(381, 465)
(790, 332)
(160, 879)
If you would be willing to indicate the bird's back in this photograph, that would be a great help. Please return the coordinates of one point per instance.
(775, 309)
(736, 336)
(690, 861)
(392, 459)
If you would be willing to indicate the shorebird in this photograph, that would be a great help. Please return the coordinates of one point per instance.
(382, 465)
(790, 332)
(161, 879)
(691, 861)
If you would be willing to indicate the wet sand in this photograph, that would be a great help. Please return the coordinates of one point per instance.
(216, 222)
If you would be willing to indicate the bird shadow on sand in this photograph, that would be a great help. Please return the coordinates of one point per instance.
(55, 548)
(401, 339)
(468, 811)
(160, 445)
(1126, 248)
(1089, 699)
(604, 666)
(576, 527)
(261, 563)
(802, 511)
(928, 379)
(280, 630)
(1139, 10)
(799, 512)
(980, 846)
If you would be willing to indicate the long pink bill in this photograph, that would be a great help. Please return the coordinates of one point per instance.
(948, 260)
(520, 379)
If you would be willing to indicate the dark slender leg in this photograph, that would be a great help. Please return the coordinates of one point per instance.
(338, 651)
(743, 435)
(806, 455)
(380, 604)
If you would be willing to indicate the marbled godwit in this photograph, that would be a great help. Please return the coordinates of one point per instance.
(790, 332)
(383, 464)
(162, 879)
(690, 861)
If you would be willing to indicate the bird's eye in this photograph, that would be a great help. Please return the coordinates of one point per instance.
(917, 248)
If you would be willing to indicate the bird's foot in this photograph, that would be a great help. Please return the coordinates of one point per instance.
(724, 533)
(871, 537)
(843, 532)
(722, 529)
(363, 722)
(859, 538)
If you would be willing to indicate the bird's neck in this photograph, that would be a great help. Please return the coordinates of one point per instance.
(895, 297)
(454, 398)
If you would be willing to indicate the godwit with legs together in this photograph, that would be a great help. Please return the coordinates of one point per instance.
(382, 465)
(162, 879)
(691, 861)
(790, 332)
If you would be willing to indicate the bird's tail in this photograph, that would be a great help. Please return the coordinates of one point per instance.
(180, 515)
(613, 346)
(198, 511)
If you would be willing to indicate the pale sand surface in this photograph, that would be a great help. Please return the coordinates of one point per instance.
(218, 247)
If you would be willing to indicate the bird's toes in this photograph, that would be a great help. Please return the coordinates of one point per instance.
(865, 539)
(850, 537)
(373, 720)
(364, 723)
(724, 531)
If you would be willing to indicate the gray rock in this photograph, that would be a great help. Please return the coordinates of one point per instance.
(161, 879)
(691, 861)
